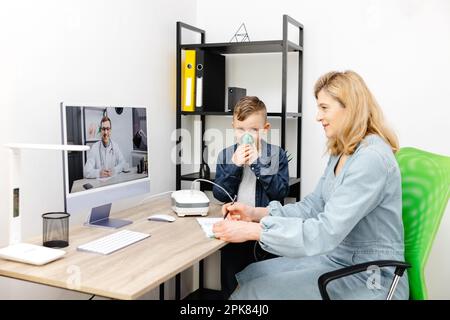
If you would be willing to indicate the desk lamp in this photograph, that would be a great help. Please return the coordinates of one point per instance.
(17, 250)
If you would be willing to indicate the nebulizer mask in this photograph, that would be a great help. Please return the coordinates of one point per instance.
(247, 138)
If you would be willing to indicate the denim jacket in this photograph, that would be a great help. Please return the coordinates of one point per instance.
(350, 218)
(271, 171)
(353, 217)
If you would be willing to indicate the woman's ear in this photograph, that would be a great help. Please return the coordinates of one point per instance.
(267, 126)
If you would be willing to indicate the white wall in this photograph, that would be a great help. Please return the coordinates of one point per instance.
(97, 52)
(400, 48)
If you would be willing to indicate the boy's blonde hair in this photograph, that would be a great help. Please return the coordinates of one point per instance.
(363, 116)
(247, 106)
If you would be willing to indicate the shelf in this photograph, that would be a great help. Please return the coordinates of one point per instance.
(205, 294)
(196, 175)
(245, 47)
(283, 47)
(293, 181)
(230, 114)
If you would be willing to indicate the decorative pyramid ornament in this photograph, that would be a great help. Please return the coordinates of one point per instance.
(241, 34)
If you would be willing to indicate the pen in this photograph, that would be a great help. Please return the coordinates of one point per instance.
(226, 214)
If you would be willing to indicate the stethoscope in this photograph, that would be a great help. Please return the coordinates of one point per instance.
(111, 151)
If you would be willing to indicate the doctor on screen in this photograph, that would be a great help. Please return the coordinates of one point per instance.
(104, 159)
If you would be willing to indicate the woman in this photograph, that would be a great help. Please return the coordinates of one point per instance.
(353, 215)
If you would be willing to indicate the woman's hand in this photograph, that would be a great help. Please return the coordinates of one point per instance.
(238, 211)
(243, 212)
(237, 231)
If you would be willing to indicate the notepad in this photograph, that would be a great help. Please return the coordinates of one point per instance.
(207, 225)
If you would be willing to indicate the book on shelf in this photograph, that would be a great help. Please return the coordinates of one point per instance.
(188, 81)
(203, 81)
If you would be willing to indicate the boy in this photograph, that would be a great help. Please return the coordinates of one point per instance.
(253, 171)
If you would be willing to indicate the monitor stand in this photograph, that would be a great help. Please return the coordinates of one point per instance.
(99, 217)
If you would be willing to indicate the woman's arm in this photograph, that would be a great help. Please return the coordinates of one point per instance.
(360, 192)
(309, 207)
(237, 231)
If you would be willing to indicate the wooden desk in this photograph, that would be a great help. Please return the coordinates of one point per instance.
(131, 271)
(101, 182)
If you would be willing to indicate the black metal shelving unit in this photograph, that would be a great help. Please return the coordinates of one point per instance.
(283, 46)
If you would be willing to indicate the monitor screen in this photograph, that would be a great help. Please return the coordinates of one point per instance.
(118, 154)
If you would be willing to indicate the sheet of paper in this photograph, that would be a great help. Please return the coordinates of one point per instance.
(207, 225)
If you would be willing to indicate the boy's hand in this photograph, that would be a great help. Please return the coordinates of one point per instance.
(241, 155)
(252, 154)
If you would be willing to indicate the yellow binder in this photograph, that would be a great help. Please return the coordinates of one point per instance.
(188, 81)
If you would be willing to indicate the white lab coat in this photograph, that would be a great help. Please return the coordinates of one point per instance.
(99, 158)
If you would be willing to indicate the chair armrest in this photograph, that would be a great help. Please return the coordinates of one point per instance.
(347, 271)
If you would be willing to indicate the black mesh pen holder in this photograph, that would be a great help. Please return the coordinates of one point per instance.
(55, 229)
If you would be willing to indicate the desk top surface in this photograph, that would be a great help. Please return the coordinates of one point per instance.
(131, 271)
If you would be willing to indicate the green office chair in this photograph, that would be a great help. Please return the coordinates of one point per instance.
(426, 191)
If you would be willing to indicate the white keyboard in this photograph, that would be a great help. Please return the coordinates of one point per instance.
(113, 242)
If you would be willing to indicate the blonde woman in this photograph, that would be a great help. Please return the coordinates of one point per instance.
(354, 215)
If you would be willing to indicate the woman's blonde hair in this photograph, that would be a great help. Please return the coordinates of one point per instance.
(363, 116)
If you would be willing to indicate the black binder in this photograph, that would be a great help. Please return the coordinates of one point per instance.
(234, 95)
(210, 81)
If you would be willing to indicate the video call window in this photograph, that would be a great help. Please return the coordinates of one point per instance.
(117, 138)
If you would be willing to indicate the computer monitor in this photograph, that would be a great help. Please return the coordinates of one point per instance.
(115, 167)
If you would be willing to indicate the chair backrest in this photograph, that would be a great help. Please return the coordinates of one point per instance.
(426, 191)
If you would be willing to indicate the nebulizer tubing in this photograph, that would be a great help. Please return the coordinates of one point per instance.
(204, 180)
(192, 188)
(154, 195)
(232, 200)
(246, 139)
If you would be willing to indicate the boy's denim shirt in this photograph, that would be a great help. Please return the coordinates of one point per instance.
(271, 171)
